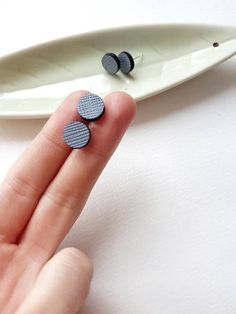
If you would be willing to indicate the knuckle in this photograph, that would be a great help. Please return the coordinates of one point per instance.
(21, 187)
(64, 199)
(53, 140)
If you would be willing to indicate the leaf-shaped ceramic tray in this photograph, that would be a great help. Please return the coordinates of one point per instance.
(34, 81)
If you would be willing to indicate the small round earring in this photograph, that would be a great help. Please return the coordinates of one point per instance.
(91, 107)
(111, 63)
(126, 62)
(76, 134)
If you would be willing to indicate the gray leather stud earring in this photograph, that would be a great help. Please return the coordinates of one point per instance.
(111, 63)
(91, 107)
(126, 62)
(76, 134)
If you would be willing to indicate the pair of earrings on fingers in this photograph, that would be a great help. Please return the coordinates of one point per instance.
(77, 134)
(113, 63)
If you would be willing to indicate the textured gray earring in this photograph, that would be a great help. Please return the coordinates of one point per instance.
(91, 107)
(76, 134)
(126, 62)
(111, 63)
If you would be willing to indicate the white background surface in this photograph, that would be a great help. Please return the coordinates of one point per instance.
(160, 225)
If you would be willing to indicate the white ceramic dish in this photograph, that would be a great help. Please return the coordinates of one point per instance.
(35, 80)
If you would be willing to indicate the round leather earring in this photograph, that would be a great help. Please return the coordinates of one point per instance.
(111, 63)
(126, 62)
(76, 134)
(91, 107)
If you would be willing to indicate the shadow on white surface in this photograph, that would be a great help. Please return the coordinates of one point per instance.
(104, 219)
(24, 130)
(208, 85)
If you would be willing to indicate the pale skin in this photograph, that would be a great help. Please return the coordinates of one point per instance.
(41, 197)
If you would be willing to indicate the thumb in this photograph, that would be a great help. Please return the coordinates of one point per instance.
(62, 285)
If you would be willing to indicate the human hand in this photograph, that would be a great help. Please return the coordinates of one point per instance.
(40, 199)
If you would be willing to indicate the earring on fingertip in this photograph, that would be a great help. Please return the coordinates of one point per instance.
(77, 134)
(91, 107)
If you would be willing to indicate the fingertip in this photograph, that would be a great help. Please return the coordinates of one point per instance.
(122, 105)
(66, 278)
(79, 260)
(107, 132)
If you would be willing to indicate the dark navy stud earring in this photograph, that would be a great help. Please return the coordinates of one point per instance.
(126, 62)
(91, 107)
(76, 134)
(111, 63)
